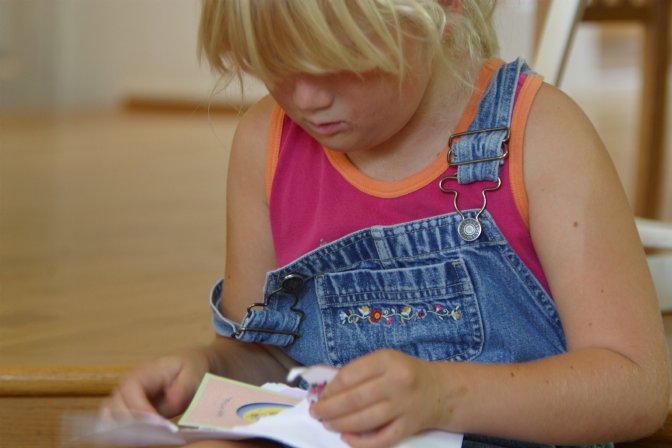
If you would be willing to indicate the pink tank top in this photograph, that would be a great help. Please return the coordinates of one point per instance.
(317, 195)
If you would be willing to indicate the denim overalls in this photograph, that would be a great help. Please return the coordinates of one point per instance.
(433, 288)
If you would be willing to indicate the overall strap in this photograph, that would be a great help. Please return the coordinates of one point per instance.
(479, 152)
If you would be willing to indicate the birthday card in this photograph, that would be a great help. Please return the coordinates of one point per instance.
(221, 403)
(226, 409)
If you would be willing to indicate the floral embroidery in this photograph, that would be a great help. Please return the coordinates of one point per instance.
(389, 315)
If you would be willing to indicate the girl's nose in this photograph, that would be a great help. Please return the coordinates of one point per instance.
(311, 92)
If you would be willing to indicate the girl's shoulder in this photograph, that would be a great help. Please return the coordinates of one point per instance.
(559, 136)
(553, 110)
(247, 160)
(253, 127)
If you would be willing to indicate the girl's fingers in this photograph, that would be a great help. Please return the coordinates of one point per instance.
(376, 400)
(132, 395)
(115, 411)
(176, 397)
(129, 397)
(364, 420)
(358, 371)
(349, 401)
(386, 436)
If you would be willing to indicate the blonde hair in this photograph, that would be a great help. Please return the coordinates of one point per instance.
(273, 38)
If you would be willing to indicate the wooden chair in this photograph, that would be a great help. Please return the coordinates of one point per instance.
(555, 39)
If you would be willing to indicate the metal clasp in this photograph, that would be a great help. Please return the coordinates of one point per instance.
(505, 146)
(290, 283)
(469, 229)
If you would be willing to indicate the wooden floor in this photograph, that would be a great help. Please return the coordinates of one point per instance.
(111, 233)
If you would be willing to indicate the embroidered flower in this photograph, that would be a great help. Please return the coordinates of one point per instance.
(343, 316)
(389, 315)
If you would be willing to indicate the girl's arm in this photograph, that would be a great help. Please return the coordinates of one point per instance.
(167, 384)
(613, 382)
(249, 250)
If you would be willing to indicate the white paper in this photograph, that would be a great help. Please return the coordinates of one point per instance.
(294, 427)
(313, 375)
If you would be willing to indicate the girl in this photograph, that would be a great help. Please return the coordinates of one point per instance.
(441, 225)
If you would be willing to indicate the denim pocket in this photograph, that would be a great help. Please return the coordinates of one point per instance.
(429, 312)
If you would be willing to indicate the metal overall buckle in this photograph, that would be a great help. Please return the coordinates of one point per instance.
(290, 283)
(503, 155)
(470, 229)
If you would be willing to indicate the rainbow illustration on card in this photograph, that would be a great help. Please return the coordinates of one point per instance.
(252, 412)
(222, 403)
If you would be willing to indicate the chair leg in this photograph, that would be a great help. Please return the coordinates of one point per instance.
(651, 163)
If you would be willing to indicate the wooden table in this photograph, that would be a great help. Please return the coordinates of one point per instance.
(111, 232)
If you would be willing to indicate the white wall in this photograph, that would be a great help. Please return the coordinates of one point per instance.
(95, 53)
(74, 54)
(514, 21)
(28, 58)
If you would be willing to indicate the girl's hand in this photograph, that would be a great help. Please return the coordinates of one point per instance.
(162, 386)
(381, 398)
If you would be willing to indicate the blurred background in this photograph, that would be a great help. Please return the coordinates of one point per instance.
(64, 56)
(113, 156)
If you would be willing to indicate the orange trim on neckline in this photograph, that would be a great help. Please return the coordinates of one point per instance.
(385, 189)
(526, 96)
(273, 147)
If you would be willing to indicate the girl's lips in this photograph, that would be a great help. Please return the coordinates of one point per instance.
(327, 128)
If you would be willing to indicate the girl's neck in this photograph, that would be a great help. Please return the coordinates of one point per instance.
(426, 134)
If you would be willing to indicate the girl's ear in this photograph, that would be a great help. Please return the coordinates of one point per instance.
(450, 7)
